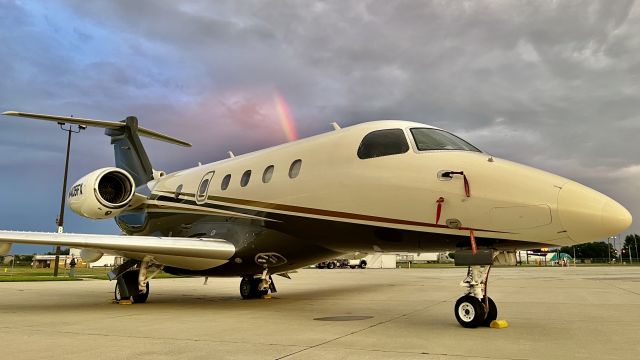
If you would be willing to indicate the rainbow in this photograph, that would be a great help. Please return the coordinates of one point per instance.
(286, 119)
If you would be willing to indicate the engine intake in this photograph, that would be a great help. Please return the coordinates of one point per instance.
(114, 189)
(102, 194)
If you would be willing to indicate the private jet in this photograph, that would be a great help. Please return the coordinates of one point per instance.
(381, 186)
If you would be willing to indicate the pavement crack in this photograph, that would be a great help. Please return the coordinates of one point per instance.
(617, 287)
(433, 354)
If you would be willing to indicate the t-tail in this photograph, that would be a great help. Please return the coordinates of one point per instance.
(129, 152)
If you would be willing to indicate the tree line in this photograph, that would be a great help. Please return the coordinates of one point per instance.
(603, 250)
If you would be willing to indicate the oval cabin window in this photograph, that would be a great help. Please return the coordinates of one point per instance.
(294, 169)
(244, 180)
(268, 174)
(225, 182)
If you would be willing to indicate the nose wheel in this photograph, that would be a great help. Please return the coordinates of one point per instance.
(475, 308)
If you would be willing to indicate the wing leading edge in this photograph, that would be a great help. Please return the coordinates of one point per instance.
(188, 253)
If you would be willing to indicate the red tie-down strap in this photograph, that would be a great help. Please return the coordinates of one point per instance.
(440, 201)
(467, 190)
(474, 248)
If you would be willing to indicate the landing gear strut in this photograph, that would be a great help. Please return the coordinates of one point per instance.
(475, 308)
(255, 286)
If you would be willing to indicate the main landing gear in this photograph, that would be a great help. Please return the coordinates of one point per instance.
(475, 308)
(256, 286)
(132, 281)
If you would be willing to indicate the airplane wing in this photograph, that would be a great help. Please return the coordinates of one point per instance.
(186, 253)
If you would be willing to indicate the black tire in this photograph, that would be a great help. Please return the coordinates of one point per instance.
(469, 311)
(246, 288)
(331, 265)
(141, 298)
(249, 288)
(492, 313)
(116, 293)
(130, 279)
(363, 264)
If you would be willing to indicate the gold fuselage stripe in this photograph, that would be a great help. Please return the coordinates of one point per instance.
(323, 212)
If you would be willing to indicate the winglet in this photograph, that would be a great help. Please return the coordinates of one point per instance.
(99, 123)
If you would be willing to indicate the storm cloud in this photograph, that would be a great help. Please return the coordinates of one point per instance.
(552, 84)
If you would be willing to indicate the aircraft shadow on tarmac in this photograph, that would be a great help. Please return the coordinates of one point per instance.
(164, 297)
(291, 294)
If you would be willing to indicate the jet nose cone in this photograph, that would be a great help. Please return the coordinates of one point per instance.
(588, 215)
(615, 217)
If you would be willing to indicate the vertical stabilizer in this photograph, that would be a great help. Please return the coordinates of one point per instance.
(129, 152)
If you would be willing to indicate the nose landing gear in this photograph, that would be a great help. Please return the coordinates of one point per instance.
(475, 308)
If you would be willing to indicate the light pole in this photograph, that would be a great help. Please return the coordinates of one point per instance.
(60, 220)
(635, 241)
(609, 250)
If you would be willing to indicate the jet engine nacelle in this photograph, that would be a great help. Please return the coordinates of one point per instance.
(102, 194)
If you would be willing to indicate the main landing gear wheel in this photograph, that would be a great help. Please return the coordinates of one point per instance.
(130, 279)
(116, 293)
(250, 288)
(469, 311)
(140, 298)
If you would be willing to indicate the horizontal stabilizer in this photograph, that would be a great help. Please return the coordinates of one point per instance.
(98, 123)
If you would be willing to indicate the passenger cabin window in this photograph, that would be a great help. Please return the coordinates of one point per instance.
(268, 173)
(383, 143)
(294, 169)
(225, 182)
(201, 195)
(244, 180)
(436, 139)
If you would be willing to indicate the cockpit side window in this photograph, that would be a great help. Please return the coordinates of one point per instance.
(383, 143)
(436, 139)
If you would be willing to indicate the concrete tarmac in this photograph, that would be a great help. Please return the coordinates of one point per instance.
(564, 313)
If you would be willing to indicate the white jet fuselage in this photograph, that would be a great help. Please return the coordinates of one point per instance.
(507, 200)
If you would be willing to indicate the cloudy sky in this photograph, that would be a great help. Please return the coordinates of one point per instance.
(552, 84)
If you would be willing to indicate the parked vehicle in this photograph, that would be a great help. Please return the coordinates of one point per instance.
(342, 263)
(358, 263)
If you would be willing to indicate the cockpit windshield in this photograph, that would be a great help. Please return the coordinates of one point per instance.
(436, 139)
